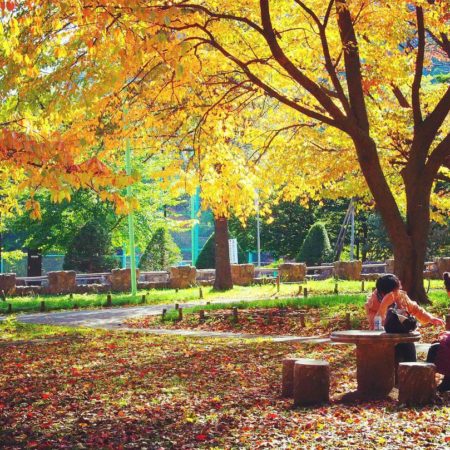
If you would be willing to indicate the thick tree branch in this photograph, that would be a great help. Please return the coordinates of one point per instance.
(308, 84)
(326, 53)
(439, 157)
(265, 87)
(352, 65)
(415, 93)
(402, 100)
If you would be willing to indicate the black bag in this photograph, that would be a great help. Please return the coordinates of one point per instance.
(399, 321)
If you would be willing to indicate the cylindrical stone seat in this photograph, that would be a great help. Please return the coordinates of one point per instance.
(287, 384)
(416, 383)
(311, 382)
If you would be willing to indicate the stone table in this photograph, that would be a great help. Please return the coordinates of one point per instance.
(375, 359)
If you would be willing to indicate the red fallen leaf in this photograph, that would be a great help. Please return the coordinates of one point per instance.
(447, 439)
(272, 416)
(201, 437)
(75, 372)
(32, 444)
(9, 6)
(46, 395)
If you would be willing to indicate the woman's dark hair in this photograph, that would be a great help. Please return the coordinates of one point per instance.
(387, 283)
(447, 281)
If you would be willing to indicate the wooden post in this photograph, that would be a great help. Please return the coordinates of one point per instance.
(362, 286)
(447, 322)
(163, 314)
(200, 292)
(311, 382)
(177, 305)
(416, 383)
(278, 283)
(3, 295)
(269, 318)
(143, 298)
(201, 315)
(348, 321)
(42, 309)
(71, 296)
(9, 308)
(299, 290)
(109, 300)
(235, 314)
(208, 303)
(287, 382)
(305, 292)
(180, 314)
(336, 290)
(302, 320)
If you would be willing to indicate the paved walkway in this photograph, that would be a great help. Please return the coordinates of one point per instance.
(113, 318)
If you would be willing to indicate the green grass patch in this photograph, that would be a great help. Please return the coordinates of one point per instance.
(164, 296)
(13, 330)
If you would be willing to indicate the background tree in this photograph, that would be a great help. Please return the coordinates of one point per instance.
(316, 248)
(161, 252)
(90, 250)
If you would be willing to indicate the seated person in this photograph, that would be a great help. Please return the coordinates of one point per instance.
(439, 352)
(388, 291)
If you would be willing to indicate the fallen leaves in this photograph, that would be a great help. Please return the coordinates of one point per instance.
(137, 391)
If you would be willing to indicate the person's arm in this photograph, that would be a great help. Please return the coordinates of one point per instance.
(371, 308)
(422, 315)
(387, 301)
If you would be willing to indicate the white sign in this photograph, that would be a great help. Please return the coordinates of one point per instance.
(232, 245)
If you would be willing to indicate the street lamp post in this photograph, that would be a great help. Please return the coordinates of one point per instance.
(131, 224)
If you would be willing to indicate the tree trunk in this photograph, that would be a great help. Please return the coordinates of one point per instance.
(223, 279)
(408, 236)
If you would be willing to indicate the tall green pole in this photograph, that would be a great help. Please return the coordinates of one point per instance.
(131, 225)
(195, 206)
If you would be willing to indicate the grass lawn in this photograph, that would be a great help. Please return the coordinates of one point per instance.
(162, 296)
(105, 390)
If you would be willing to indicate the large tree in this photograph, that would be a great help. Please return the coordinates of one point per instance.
(353, 73)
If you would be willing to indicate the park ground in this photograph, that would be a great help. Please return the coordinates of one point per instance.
(84, 388)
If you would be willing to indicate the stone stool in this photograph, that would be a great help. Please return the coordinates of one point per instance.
(287, 386)
(311, 382)
(416, 383)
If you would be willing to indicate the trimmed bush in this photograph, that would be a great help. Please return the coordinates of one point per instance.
(90, 250)
(316, 248)
(206, 256)
(161, 252)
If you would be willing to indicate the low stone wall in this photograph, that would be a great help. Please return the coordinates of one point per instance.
(242, 274)
(347, 270)
(121, 279)
(182, 277)
(443, 265)
(291, 272)
(8, 283)
(62, 282)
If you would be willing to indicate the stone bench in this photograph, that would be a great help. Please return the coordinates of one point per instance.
(307, 381)
(416, 383)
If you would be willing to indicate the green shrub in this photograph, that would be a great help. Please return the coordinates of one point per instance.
(161, 252)
(316, 248)
(206, 256)
(90, 250)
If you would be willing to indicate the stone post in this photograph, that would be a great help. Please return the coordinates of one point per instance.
(8, 283)
(389, 266)
(62, 282)
(443, 265)
(242, 274)
(291, 272)
(121, 279)
(182, 277)
(347, 270)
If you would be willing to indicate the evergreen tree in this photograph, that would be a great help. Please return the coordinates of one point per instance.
(316, 247)
(90, 250)
(161, 252)
(206, 257)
